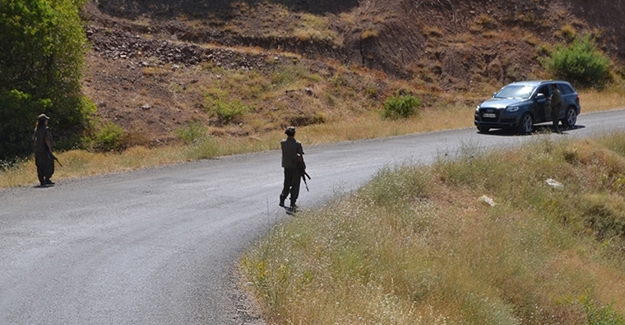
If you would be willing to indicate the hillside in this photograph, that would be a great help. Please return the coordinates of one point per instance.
(155, 66)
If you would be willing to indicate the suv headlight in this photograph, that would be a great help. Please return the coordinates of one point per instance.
(512, 108)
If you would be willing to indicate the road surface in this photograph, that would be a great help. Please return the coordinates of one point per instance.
(159, 246)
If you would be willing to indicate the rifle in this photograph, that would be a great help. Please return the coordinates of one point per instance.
(302, 167)
(50, 154)
(55, 158)
(304, 175)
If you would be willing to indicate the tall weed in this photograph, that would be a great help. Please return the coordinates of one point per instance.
(192, 133)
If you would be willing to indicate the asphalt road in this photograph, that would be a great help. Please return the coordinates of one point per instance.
(159, 246)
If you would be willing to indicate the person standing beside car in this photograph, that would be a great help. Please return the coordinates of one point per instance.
(556, 102)
(44, 158)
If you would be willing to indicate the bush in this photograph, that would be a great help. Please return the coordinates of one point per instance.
(601, 315)
(228, 112)
(18, 113)
(193, 132)
(400, 106)
(580, 63)
(604, 214)
(110, 138)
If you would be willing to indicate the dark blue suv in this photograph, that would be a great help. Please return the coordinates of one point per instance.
(520, 105)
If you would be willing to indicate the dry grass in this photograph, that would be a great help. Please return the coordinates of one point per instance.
(433, 32)
(314, 27)
(351, 124)
(417, 246)
(80, 163)
(595, 100)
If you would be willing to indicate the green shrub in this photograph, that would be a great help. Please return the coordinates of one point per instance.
(602, 315)
(227, 111)
(400, 106)
(580, 63)
(109, 138)
(192, 133)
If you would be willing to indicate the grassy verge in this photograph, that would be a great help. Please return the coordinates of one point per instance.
(79, 163)
(419, 245)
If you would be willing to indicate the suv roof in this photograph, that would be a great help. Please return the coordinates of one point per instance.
(537, 82)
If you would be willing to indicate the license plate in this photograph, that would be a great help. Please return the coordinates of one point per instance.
(489, 115)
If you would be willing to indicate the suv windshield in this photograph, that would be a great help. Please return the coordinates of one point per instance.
(515, 91)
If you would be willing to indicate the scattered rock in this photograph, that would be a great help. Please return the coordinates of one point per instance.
(116, 45)
(487, 200)
(309, 92)
(555, 184)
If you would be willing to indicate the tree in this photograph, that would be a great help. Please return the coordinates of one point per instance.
(581, 63)
(41, 62)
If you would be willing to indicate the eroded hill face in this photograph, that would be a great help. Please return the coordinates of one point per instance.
(438, 45)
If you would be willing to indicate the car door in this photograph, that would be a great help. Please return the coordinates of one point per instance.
(541, 104)
(568, 98)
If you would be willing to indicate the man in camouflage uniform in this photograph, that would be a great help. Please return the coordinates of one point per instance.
(556, 102)
(44, 159)
(292, 153)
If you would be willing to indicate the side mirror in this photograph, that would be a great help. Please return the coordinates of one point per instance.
(540, 96)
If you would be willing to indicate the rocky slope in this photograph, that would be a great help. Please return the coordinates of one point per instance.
(144, 50)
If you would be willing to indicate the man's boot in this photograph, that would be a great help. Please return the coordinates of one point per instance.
(282, 198)
(558, 131)
(293, 206)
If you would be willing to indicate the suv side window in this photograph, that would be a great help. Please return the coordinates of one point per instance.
(565, 89)
(544, 90)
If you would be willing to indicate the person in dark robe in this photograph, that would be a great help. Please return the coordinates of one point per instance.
(44, 158)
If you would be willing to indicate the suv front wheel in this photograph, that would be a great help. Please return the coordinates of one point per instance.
(526, 124)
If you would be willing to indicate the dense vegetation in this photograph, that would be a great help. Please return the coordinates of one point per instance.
(43, 46)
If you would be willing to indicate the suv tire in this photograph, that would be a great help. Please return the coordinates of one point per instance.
(570, 118)
(526, 124)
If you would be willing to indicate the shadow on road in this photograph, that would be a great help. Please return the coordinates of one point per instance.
(540, 129)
